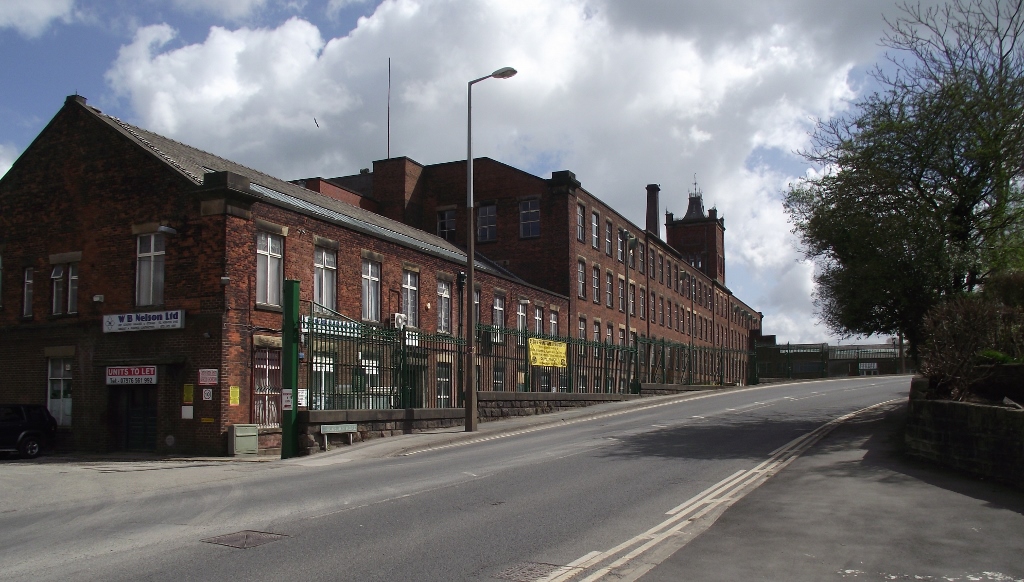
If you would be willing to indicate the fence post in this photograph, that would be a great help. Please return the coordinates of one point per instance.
(290, 369)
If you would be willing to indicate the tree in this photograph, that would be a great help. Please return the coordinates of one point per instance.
(919, 194)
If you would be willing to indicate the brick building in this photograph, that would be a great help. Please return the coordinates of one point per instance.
(140, 281)
(557, 235)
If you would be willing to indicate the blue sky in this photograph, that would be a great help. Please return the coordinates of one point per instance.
(622, 93)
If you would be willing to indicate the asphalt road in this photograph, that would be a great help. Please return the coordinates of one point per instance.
(581, 499)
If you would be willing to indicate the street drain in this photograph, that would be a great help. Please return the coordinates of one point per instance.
(528, 571)
(245, 539)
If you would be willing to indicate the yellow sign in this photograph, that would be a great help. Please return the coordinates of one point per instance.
(186, 396)
(547, 353)
(233, 395)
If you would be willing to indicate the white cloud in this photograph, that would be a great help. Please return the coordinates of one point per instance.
(31, 18)
(621, 97)
(8, 153)
(229, 9)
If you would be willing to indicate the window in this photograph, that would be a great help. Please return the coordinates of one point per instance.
(678, 322)
(581, 212)
(444, 307)
(608, 238)
(444, 385)
(476, 307)
(595, 282)
(499, 377)
(581, 279)
(498, 317)
(553, 323)
(620, 247)
(632, 257)
(597, 335)
(642, 262)
(487, 223)
(529, 218)
(26, 303)
(149, 272)
(632, 299)
(325, 277)
(679, 274)
(269, 268)
(267, 387)
(670, 314)
(411, 298)
(521, 322)
(661, 311)
(446, 224)
(608, 337)
(653, 308)
(538, 320)
(583, 328)
(59, 393)
(643, 303)
(371, 290)
(622, 295)
(661, 269)
(668, 276)
(608, 289)
(65, 288)
(595, 230)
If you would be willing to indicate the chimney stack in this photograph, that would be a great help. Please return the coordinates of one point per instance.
(653, 206)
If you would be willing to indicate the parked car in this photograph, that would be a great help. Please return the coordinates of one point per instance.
(26, 429)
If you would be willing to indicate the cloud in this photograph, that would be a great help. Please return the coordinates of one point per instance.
(233, 10)
(623, 97)
(8, 153)
(31, 18)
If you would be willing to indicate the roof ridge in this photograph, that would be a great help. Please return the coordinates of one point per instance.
(131, 129)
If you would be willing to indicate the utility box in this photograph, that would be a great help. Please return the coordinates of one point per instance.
(243, 440)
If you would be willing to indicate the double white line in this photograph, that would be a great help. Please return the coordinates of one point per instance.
(720, 495)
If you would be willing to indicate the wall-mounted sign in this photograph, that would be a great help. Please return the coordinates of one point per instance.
(188, 392)
(208, 377)
(207, 393)
(286, 400)
(144, 321)
(131, 375)
(233, 395)
(546, 353)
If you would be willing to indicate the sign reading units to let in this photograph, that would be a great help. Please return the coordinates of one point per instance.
(131, 375)
(547, 353)
(174, 319)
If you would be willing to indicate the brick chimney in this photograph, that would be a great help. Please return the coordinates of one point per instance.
(653, 205)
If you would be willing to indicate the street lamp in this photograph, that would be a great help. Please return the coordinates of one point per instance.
(629, 243)
(470, 388)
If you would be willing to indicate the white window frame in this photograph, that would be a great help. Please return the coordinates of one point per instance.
(325, 277)
(498, 317)
(64, 297)
(58, 392)
(269, 269)
(581, 279)
(444, 306)
(149, 269)
(553, 323)
(411, 297)
(538, 320)
(596, 283)
(371, 290)
(521, 322)
(595, 230)
(608, 238)
(622, 295)
(581, 215)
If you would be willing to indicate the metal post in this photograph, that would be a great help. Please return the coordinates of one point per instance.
(290, 370)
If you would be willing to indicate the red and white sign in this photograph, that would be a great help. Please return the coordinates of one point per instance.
(131, 374)
(208, 376)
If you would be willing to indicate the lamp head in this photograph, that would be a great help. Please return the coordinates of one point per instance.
(504, 73)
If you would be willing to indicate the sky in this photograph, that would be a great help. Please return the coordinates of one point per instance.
(624, 94)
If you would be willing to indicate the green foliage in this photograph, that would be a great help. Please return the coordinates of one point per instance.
(920, 194)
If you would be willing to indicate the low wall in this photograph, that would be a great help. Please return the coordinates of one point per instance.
(372, 424)
(980, 439)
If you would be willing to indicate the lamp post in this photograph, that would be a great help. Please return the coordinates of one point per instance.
(629, 242)
(470, 387)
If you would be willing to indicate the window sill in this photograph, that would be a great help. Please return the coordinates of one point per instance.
(268, 307)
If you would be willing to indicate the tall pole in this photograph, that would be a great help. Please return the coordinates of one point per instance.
(470, 388)
(290, 370)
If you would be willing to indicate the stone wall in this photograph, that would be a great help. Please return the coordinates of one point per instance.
(980, 439)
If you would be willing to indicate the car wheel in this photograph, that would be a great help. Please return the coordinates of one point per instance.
(30, 447)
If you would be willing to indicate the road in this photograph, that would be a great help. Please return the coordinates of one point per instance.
(582, 499)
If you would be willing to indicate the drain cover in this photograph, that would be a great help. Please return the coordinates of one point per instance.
(245, 539)
(528, 571)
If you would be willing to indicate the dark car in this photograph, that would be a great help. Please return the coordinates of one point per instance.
(26, 428)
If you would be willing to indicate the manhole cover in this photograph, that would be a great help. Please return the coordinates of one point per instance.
(528, 571)
(245, 539)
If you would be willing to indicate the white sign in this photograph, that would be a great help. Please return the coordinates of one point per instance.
(208, 377)
(286, 400)
(303, 397)
(131, 375)
(207, 393)
(868, 366)
(144, 321)
(187, 412)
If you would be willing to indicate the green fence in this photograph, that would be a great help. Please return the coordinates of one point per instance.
(354, 365)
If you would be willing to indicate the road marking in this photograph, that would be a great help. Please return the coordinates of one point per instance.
(717, 497)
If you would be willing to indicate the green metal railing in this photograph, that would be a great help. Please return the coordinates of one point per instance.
(354, 365)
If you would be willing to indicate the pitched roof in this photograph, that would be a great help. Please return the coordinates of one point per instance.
(193, 164)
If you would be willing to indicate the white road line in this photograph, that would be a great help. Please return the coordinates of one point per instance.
(720, 495)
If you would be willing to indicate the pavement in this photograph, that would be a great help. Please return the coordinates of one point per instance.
(856, 507)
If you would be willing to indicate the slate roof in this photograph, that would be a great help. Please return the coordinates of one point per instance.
(193, 163)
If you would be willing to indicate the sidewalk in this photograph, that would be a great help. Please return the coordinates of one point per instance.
(854, 507)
